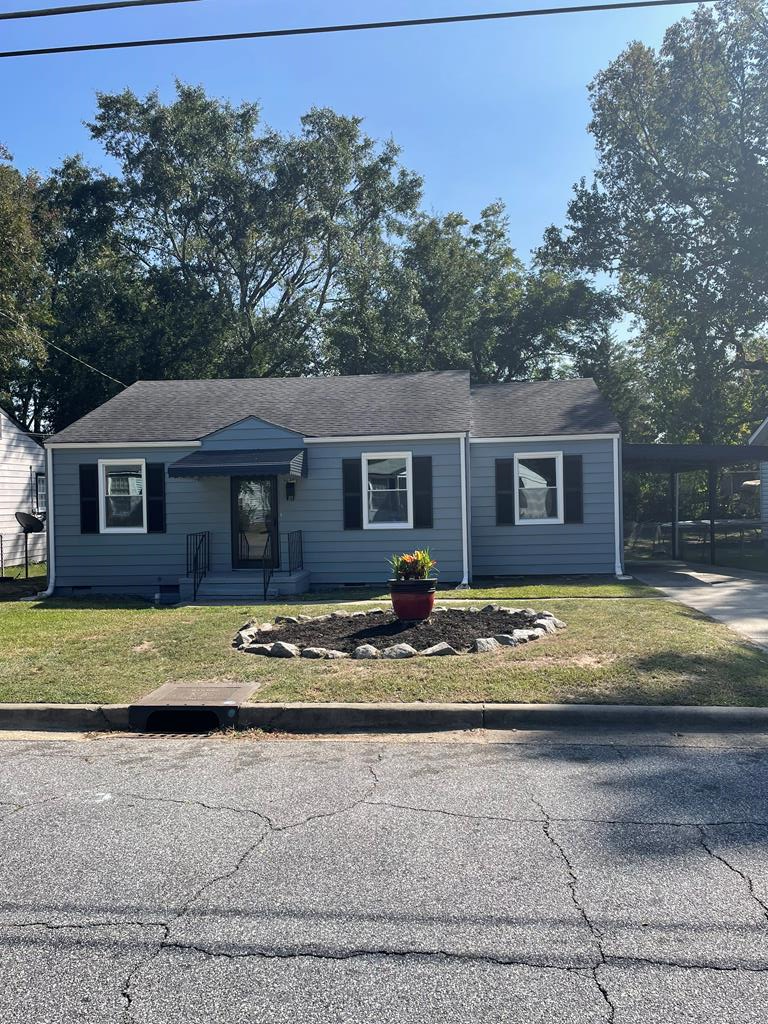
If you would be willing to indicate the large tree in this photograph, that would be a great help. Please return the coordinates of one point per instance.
(23, 287)
(455, 295)
(678, 213)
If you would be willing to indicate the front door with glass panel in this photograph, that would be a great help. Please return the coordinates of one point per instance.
(254, 521)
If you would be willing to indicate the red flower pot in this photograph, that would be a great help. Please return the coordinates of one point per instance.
(412, 599)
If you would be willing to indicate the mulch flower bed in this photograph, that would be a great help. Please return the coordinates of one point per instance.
(378, 633)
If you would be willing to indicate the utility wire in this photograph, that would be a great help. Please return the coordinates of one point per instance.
(356, 27)
(64, 352)
(79, 360)
(50, 12)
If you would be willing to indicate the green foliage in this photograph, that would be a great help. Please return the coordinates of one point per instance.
(678, 213)
(415, 565)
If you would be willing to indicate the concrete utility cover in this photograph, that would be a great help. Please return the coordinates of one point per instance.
(213, 695)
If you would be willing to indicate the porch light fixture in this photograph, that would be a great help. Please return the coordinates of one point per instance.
(290, 491)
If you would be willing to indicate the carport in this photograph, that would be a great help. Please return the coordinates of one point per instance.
(674, 459)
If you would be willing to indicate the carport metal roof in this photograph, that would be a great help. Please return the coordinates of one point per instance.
(677, 458)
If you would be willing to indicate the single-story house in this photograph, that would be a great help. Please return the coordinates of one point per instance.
(22, 489)
(212, 487)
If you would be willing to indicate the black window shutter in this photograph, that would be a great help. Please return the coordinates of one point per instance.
(89, 497)
(573, 483)
(155, 497)
(422, 492)
(505, 492)
(352, 481)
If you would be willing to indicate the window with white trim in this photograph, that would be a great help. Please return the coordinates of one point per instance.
(122, 496)
(41, 492)
(539, 488)
(387, 490)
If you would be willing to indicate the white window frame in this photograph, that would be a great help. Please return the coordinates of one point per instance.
(554, 520)
(38, 477)
(408, 456)
(103, 528)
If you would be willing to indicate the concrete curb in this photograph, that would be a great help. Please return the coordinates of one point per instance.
(343, 718)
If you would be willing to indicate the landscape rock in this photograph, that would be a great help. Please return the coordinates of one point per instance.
(339, 615)
(546, 624)
(521, 636)
(365, 651)
(484, 645)
(244, 637)
(438, 650)
(280, 649)
(336, 654)
(314, 652)
(491, 608)
(287, 619)
(376, 611)
(357, 615)
(305, 618)
(399, 651)
(258, 649)
(506, 639)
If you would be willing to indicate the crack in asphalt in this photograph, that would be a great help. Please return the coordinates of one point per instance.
(127, 989)
(732, 867)
(573, 882)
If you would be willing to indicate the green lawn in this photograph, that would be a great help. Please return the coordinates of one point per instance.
(524, 588)
(644, 651)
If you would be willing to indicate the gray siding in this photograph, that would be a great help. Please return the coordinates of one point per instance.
(586, 547)
(251, 433)
(20, 458)
(137, 563)
(134, 562)
(333, 554)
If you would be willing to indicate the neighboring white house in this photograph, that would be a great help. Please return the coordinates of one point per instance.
(22, 489)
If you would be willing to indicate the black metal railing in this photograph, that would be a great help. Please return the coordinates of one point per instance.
(198, 558)
(244, 548)
(295, 551)
(267, 564)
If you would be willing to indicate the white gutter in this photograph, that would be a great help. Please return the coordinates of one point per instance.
(352, 438)
(535, 438)
(86, 445)
(464, 517)
(48, 592)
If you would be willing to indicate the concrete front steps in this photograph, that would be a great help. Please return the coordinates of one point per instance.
(244, 585)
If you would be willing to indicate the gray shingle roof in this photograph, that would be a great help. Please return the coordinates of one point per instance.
(378, 404)
(186, 410)
(541, 407)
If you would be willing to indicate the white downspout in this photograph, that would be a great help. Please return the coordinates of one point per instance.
(617, 524)
(48, 592)
(464, 517)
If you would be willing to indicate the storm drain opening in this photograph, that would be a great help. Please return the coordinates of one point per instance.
(182, 720)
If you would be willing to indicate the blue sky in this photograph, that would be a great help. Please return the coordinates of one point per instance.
(482, 111)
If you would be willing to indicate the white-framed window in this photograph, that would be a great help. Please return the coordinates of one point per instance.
(387, 491)
(538, 488)
(41, 492)
(122, 496)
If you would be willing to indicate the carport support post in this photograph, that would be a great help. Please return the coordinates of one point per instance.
(712, 494)
(674, 500)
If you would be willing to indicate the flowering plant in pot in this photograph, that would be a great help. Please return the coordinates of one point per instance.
(412, 587)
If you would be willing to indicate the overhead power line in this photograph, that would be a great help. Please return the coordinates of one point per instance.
(113, 5)
(275, 33)
(79, 360)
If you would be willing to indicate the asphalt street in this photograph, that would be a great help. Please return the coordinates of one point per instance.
(530, 880)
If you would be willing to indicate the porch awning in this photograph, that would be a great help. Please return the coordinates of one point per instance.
(261, 462)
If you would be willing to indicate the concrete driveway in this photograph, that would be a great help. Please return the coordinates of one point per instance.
(735, 597)
(157, 881)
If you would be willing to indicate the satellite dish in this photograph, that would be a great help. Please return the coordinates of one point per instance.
(29, 523)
